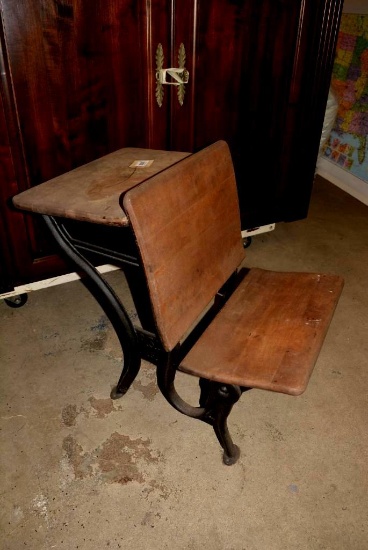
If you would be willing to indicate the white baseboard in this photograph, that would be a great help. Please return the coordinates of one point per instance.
(54, 281)
(343, 179)
(258, 230)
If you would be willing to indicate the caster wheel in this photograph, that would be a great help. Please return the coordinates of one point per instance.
(16, 301)
(247, 241)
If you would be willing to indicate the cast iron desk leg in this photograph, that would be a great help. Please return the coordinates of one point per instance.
(110, 303)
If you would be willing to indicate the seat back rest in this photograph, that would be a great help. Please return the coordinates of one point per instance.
(187, 226)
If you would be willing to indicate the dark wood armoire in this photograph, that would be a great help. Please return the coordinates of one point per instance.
(80, 79)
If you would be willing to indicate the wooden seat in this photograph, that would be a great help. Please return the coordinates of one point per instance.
(269, 333)
(270, 330)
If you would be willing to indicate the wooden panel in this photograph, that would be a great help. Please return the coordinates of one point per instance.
(79, 85)
(79, 89)
(12, 226)
(313, 60)
(241, 77)
(255, 82)
(186, 223)
(7, 187)
(269, 334)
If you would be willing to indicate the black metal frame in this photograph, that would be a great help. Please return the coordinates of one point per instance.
(216, 399)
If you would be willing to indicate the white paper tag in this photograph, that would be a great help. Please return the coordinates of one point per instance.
(141, 164)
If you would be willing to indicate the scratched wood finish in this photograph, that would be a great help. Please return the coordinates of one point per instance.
(269, 333)
(93, 192)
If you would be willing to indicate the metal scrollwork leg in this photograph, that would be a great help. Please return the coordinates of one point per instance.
(110, 303)
(227, 396)
(216, 401)
(165, 380)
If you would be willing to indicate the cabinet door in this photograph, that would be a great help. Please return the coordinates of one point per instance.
(78, 83)
(259, 77)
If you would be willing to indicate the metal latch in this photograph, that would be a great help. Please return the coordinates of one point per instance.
(178, 74)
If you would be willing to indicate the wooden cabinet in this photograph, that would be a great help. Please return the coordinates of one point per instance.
(74, 88)
(259, 78)
(79, 81)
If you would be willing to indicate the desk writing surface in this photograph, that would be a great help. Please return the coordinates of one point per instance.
(92, 192)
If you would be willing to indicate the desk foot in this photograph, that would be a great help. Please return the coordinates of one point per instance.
(225, 398)
(230, 460)
(117, 394)
(216, 402)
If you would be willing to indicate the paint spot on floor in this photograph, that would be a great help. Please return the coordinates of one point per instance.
(101, 325)
(274, 433)
(103, 407)
(293, 488)
(78, 460)
(147, 374)
(153, 485)
(120, 459)
(148, 391)
(97, 341)
(119, 456)
(69, 415)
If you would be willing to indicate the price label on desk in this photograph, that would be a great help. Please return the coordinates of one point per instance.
(141, 164)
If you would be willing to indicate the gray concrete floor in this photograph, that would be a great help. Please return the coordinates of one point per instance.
(81, 471)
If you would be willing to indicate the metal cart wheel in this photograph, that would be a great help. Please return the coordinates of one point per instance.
(247, 241)
(16, 301)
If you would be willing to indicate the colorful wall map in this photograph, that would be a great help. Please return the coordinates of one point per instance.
(347, 145)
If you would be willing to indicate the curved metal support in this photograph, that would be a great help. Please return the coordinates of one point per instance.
(216, 402)
(110, 303)
(165, 381)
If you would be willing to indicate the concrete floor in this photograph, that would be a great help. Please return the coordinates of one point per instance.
(81, 471)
